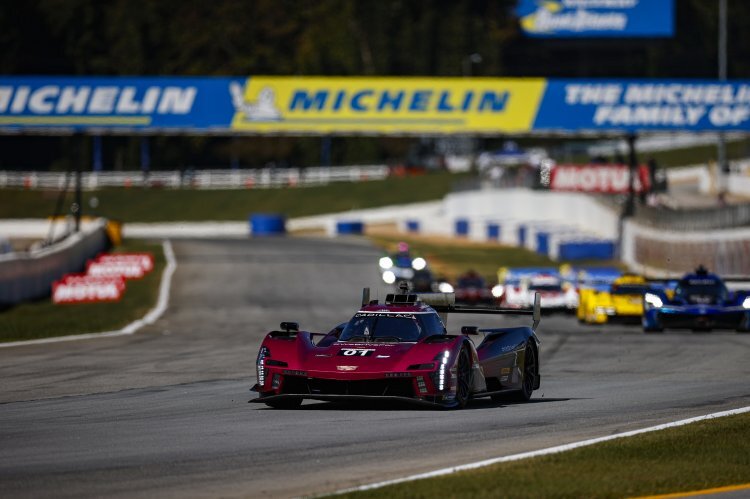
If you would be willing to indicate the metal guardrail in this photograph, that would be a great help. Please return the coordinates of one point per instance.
(694, 219)
(199, 179)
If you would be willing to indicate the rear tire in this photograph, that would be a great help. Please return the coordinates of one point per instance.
(285, 403)
(530, 371)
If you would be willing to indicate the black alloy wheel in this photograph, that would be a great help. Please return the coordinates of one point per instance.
(463, 375)
(529, 375)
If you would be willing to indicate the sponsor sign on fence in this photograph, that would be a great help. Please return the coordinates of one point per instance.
(596, 18)
(609, 179)
(377, 105)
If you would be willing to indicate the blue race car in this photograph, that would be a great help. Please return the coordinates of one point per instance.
(701, 302)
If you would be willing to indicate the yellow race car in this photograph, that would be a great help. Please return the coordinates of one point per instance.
(622, 302)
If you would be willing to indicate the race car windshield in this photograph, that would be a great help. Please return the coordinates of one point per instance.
(715, 289)
(391, 328)
(629, 290)
(545, 287)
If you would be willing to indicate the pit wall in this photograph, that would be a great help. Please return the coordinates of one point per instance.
(27, 276)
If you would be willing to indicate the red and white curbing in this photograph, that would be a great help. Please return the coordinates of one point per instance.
(542, 452)
(151, 317)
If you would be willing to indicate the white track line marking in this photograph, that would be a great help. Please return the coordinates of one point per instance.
(152, 316)
(541, 452)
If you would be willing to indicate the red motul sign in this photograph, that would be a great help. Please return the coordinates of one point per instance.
(77, 288)
(611, 179)
(145, 260)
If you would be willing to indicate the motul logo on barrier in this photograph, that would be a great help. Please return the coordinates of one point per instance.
(127, 270)
(612, 179)
(86, 289)
(145, 260)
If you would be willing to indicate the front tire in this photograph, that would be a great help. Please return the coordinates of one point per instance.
(463, 378)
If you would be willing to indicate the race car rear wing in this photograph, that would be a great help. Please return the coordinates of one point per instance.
(445, 303)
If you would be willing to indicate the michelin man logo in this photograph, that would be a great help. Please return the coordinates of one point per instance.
(264, 109)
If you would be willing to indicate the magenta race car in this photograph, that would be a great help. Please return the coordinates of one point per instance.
(400, 350)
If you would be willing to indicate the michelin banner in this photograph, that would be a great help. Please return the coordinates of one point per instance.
(596, 18)
(368, 106)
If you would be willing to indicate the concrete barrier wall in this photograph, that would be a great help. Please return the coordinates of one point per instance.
(28, 276)
(659, 251)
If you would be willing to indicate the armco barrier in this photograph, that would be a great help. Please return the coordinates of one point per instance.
(349, 228)
(267, 224)
(28, 276)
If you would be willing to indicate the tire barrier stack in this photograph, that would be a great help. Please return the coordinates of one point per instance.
(349, 228)
(267, 224)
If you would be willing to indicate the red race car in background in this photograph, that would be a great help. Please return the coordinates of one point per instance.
(400, 350)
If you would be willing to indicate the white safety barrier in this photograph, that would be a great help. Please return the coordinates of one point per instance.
(198, 179)
(26, 276)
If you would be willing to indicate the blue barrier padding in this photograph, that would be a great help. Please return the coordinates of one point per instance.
(542, 243)
(349, 228)
(462, 227)
(493, 231)
(522, 235)
(587, 250)
(412, 225)
(267, 224)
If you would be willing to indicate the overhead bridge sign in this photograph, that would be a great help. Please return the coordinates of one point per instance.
(368, 106)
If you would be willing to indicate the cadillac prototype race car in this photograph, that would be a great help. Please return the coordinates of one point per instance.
(701, 301)
(400, 350)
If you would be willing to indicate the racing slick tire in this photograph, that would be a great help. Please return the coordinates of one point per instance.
(464, 376)
(287, 403)
(530, 372)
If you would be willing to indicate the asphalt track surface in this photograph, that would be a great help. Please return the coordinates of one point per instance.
(165, 413)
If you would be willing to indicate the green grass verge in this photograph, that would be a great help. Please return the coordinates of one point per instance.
(44, 319)
(166, 205)
(693, 457)
(452, 257)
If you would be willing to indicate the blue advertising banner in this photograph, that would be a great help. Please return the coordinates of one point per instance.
(643, 105)
(596, 18)
(116, 102)
(370, 106)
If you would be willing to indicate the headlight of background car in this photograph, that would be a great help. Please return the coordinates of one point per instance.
(653, 300)
(386, 263)
(260, 364)
(445, 287)
(389, 277)
(418, 263)
(497, 290)
(746, 303)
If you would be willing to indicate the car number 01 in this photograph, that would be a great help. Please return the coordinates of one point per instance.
(353, 352)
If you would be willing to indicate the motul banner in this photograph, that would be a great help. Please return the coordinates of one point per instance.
(126, 265)
(610, 179)
(79, 288)
(145, 260)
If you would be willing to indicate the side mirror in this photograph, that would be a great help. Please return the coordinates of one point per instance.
(470, 330)
(537, 311)
(289, 326)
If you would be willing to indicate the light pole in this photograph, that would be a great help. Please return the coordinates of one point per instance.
(721, 151)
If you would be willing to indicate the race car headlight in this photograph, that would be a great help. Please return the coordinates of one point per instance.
(418, 263)
(498, 290)
(385, 263)
(653, 300)
(445, 287)
(389, 277)
(263, 353)
(746, 303)
(442, 370)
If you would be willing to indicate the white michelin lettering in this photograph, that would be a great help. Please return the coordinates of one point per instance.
(177, 100)
(40, 102)
(73, 99)
(127, 104)
(19, 99)
(5, 94)
(103, 100)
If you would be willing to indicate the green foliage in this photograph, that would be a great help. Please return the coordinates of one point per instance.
(698, 456)
(168, 205)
